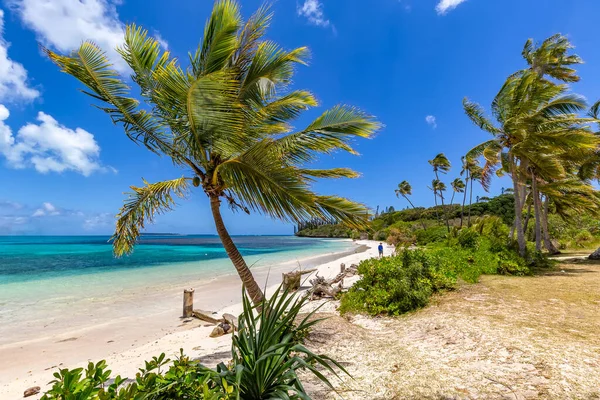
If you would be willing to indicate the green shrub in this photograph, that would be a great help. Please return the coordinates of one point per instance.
(468, 238)
(433, 234)
(265, 364)
(583, 238)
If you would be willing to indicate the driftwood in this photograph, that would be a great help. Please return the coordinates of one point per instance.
(322, 287)
(206, 316)
(291, 280)
(231, 320)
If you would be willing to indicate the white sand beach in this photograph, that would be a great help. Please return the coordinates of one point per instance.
(127, 342)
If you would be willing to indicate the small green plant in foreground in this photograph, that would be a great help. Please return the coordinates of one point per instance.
(267, 353)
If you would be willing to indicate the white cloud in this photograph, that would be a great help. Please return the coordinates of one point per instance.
(49, 146)
(13, 77)
(98, 221)
(46, 209)
(447, 5)
(65, 24)
(163, 43)
(313, 11)
(430, 119)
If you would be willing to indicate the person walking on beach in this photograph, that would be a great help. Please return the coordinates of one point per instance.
(380, 248)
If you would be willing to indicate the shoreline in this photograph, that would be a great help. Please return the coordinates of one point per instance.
(126, 342)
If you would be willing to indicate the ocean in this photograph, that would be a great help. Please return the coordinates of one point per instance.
(49, 282)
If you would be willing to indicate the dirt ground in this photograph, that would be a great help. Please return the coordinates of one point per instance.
(503, 338)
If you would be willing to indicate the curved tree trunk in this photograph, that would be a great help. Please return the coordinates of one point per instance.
(518, 210)
(254, 291)
(536, 211)
(462, 210)
(545, 232)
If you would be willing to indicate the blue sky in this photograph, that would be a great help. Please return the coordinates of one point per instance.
(64, 166)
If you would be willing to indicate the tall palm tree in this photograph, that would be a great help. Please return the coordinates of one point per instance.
(225, 119)
(440, 163)
(551, 58)
(405, 190)
(537, 122)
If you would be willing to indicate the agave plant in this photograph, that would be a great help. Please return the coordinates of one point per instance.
(267, 353)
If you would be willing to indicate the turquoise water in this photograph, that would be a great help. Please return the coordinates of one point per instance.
(30, 258)
(49, 285)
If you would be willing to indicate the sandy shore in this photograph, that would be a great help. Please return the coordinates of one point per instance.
(127, 342)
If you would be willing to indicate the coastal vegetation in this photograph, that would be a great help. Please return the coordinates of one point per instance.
(225, 119)
(267, 354)
(543, 140)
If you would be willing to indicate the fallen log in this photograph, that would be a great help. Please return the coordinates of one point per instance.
(291, 280)
(206, 316)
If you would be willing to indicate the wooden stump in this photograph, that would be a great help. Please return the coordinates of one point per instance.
(291, 280)
(188, 302)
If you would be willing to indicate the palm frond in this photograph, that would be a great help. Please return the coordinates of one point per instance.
(141, 207)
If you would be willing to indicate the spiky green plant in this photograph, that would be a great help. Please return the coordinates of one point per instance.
(267, 355)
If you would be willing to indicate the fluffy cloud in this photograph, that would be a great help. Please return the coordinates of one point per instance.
(46, 209)
(47, 218)
(313, 11)
(430, 119)
(13, 77)
(64, 24)
(49, 146)
(447, 5)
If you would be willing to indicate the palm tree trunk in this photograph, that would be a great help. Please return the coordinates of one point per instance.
(443, 208)
(470, 204)
(518, 210)
(437, 215)
(546, 234)
(254, 291)
(414, 208)
(462, 210)
(536, 210)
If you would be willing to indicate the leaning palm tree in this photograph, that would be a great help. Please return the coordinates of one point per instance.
(458, 186)
(405, 190)
(225, 119)
(440, 163)
(537, 125)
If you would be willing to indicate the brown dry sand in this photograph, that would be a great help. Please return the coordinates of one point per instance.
(503, 338)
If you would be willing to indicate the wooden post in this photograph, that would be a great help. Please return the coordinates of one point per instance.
(188, 302)
(342, 268)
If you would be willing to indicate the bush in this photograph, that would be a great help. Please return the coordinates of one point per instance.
(433, 234)
(402, 283)
(401, 236)
(583, 238)
(391, 285)
(468, 238)
(265, 364)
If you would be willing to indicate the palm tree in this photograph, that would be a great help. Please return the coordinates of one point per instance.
(551, 58)
(537, 124)
(440, 163)
(473, 173)
(405, 190)
(225, 120)
(458, 186)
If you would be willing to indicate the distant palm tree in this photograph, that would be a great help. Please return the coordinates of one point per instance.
(405, 190)
(458, 186)
(225, 118)
(440, 163)
(473, 172)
